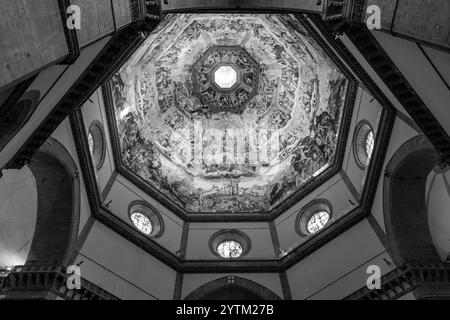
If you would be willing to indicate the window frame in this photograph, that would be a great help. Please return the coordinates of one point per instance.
(151, 213)
(230, 235)
(308, 211)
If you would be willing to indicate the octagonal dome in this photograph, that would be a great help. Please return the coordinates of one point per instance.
(269, 125)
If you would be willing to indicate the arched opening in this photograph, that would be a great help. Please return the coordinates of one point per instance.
(232, 293)
(232, 288)
(405, 202)
(13, 118)
(58, 196)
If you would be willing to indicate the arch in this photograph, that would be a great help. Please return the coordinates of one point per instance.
(58, 213)
(13, 118)
(404, 203)
(232, 287)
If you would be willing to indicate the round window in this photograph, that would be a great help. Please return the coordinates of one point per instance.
(230, 244)
(142, 223)
(96, 143)
(363, 144)
(229, 249)
(317, 221)
(145, 219)
(314, 217)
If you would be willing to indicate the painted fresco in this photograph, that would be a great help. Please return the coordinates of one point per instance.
(208, 160)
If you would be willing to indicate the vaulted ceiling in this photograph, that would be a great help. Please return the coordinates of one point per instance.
(228, 113)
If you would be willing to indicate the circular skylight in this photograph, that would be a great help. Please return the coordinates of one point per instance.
(142, 223)
(317, 221)
(229, 249)
(225, 77)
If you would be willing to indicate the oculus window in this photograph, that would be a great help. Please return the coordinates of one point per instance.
(313, 217)
(363, 143)
(145, 219)
(230, 244)
(96, 143)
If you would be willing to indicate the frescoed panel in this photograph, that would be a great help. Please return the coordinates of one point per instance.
(228, 113)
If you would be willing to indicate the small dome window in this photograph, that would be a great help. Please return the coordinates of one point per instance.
(96, 143)
(363, 144)
(145, 219)
(230, 244)
(314, 217)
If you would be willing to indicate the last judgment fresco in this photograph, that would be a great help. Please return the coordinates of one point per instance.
(228, 113)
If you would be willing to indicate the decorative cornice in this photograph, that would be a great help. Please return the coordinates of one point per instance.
(357, 12)
(405, 279)
(335, 9)
(53, 279)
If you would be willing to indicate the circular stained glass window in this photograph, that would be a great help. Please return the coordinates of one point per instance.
(96, 144)
(363, 143)
(142, 223)
(145, 219)
(229, 249)
(317, 221)
(91, 143)
(369, 144)
(229, 244)
(314, 217)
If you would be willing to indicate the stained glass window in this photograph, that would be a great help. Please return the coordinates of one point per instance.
(96, 143)
(369, 144)
(142, 223)
(229, 249)
(91, 143)
(317, 221)
(364, 143)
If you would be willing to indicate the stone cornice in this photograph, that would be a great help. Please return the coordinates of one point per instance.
(52, 279)
(407, 278)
